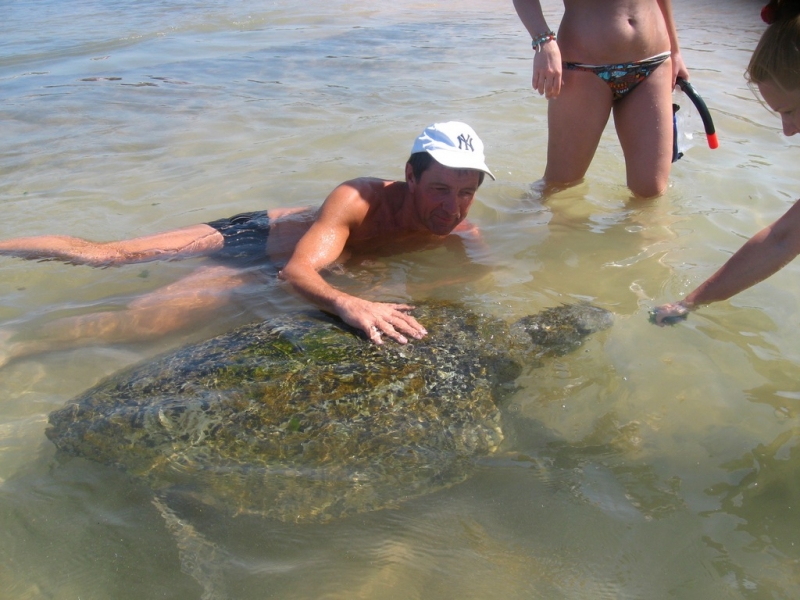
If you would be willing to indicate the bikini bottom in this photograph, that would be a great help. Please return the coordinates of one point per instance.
(624, 77)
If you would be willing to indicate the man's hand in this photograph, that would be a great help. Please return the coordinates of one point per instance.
(377, 319)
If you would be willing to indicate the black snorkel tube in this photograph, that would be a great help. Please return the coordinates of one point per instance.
(705, 115)
(701, 107)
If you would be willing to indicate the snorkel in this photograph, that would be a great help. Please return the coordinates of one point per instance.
(701, 107)
(705, 115)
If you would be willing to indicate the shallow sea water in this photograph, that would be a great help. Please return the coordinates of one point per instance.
(655, 463)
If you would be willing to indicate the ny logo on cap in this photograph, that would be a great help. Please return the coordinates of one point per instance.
(465, 143)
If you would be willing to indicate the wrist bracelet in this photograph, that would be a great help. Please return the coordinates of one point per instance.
(542, 38)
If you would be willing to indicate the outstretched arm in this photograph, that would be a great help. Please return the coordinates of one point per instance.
(195, 240)
(547, 61)
(343, 211)
(762, 255)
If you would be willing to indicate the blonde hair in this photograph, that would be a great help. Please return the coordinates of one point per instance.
(777, 56)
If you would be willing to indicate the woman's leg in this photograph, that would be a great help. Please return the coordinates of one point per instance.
(643, 120)
(575, 121)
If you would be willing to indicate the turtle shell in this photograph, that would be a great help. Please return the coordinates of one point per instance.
(300, 418)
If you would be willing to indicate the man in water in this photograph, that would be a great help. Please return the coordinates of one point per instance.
(442, 175)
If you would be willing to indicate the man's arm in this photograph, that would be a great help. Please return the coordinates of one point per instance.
(195, 240)
(344, 210)
(762, 255)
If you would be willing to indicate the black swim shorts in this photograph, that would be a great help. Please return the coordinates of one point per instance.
(245, 236)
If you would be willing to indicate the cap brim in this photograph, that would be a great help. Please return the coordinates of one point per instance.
(460, 160)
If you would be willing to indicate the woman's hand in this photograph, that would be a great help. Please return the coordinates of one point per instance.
(547, 70)
(669, 314)
(678, 68)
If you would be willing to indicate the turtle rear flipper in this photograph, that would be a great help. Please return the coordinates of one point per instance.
(200, 558)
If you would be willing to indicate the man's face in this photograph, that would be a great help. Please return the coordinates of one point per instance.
(443, 196)
(785, 103)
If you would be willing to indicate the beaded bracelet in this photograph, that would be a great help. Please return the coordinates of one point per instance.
(542, 38)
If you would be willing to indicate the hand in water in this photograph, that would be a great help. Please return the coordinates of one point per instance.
(376, 319)
(669, 314)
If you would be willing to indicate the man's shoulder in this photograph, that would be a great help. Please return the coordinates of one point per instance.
(369, 189)
(373, 185)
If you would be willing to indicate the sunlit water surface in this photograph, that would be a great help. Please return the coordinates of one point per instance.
(654, 463)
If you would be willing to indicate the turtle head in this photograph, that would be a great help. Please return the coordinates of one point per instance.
(559, 330)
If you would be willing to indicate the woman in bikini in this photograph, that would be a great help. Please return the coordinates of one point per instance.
(619, 56)
(775, 70)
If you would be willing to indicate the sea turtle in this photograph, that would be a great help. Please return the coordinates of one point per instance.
(299, 418)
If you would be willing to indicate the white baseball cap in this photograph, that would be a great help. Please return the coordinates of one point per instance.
(453, 144)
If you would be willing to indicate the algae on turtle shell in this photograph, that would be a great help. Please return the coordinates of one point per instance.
(301, 419)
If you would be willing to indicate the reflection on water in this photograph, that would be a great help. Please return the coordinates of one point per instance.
(654, 463)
